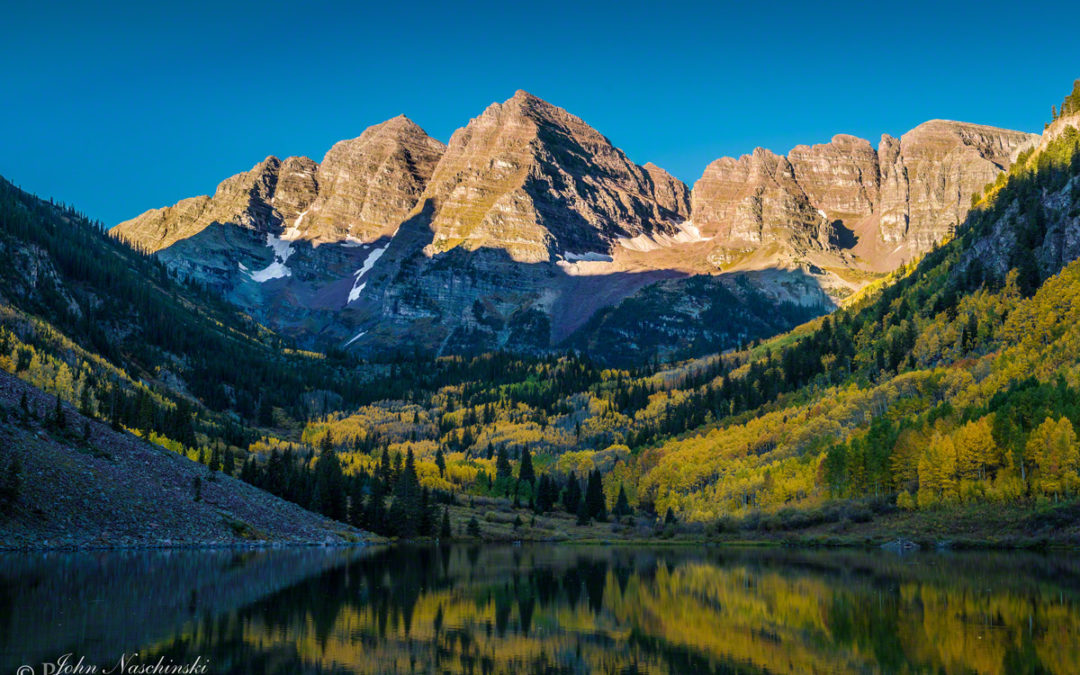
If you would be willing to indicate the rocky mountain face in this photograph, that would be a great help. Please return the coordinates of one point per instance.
(884, 206)
(368, 185)
(535, 181)
(362, 190)
(530, 222)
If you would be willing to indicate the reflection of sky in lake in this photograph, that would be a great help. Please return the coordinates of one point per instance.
(524, 609)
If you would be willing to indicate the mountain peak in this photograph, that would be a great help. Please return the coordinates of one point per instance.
(534, 180)
(522, 95)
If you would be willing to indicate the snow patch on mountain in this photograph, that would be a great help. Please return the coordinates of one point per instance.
(277, 269)
(588, 256)
(687, 233)
(293, 233)
(369, 262)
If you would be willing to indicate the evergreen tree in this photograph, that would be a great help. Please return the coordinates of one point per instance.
(572, 494)
(10, 485)
(329, 490)
(474, 527)
(504, 473)
(405, 510)
(356, 503)
(444, 531)
(503, 470)
(622, 505)
(525, 471)
(375, 511)
(595, 505)
(427, 514)
(59, 420)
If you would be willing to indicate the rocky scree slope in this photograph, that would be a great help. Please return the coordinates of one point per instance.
(86, 485)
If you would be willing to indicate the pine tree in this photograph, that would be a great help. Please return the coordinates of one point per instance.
(595, 505)
(669, 517)
(525, 471)
(375, 511)
(427, 514)
(10, 485)
(504, 473)
(503, 470)
(329, 492)
(582, 513)
(622, 504)
(405, 510)
(356, 504)
(58, 419)
(444, 531)
(572, 494)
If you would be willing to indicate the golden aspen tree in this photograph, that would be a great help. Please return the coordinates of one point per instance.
(1052, 448)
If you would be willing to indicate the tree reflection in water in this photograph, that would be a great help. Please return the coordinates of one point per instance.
(475, 609)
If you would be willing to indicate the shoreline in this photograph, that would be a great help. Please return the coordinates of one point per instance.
(811, 543)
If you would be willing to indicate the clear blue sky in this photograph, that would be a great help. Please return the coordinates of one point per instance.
(117, 108)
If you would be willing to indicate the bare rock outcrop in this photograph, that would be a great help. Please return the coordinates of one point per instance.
(368, 185)
(753, 201)
(936, 168)
(919, 187)
(535, 181)
(244, 200)
(362, 191)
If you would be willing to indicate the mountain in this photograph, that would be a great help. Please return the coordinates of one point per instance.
(361, 191)
(165, 377)
(845, 205)
(942, 405)
(531, 231)
(949, 388)
(537, 182)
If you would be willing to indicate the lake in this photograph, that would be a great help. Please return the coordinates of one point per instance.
(484, 609)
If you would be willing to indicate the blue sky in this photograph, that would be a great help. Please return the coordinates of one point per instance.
(117, 108)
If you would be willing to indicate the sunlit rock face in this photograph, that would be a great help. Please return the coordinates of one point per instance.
(530, 222)
(245, 200)
(935, 168)
(910, 192)
(535, 181)
(362, 191)
(368, 185)
(754, 200)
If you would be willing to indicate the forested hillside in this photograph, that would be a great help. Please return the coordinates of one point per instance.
(957, 382)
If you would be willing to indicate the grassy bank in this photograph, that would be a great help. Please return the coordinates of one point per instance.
(844, 524)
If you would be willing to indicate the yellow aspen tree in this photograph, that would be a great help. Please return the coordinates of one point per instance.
(976, 452)
(1052, 448)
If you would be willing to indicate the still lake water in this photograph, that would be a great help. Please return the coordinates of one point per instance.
(544, 609)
